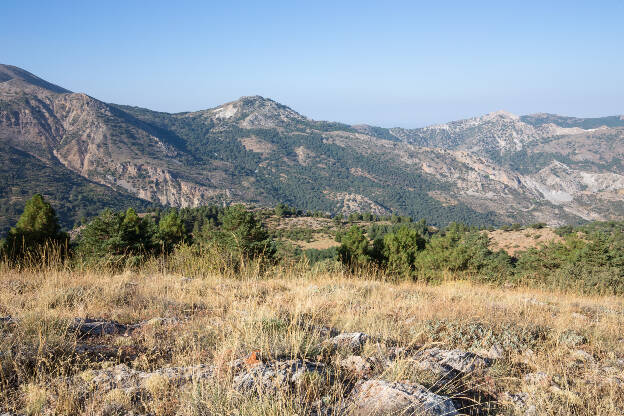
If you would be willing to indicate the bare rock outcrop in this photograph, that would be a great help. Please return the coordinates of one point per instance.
(450, 363)
(349, 341)
(133, 382)
(380, 397)
(279, 376)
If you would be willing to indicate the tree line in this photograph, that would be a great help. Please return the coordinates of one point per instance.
(587, 258)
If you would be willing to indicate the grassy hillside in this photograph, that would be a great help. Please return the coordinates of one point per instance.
(176, 342)
(219, 310)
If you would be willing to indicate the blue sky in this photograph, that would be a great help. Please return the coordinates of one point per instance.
(390, 64)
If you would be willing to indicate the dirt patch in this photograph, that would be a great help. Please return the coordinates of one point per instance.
(256, 145)
(320, 244)
(521, 240)
(298, 222)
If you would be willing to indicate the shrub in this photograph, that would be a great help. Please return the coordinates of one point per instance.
(592, 264)
(354, 247)
(400, 250)
(462, 250)
(317, 255)
(282, 210)
(240, 235)
(170, 231)
(117, 239)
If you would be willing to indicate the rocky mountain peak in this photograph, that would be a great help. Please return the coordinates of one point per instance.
(256, 112)
(500, 114)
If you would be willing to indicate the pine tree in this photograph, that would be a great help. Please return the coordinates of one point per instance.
(170, 230)
(37, 226)
(400, 249)
(117, 239)
(240, 234)
(354, 248)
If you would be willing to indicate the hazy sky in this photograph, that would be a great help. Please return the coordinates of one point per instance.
(384, 63)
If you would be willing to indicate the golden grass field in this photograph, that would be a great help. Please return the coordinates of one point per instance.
(560, 353)
(517, 241)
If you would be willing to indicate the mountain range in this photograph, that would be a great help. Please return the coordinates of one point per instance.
(84, 155)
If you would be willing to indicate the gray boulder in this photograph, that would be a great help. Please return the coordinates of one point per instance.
(358, 366)
(86, 328)
(278, 376)
(380, 397)
(133, 382)
(449, 363)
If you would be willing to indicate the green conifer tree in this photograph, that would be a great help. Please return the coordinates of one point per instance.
(37, 227)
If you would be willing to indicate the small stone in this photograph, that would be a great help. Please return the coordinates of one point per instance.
(495, 352)
(578, 316)
(583, 356)
(276, 376)
(447, 363)
(352, 342)
(157, 321)
(131, 381)
(356, 365)
(521, 401)
(571, 338)
(94, 328)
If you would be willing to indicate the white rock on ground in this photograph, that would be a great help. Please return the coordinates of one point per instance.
(357, 366)
(278, 376)
(447, 362)
(349, 341)
(133, 382)
(380, 398)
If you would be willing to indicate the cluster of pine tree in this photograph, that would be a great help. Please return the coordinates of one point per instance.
(125, 238)
(589, 259)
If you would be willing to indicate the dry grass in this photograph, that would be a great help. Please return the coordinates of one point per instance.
(322, 243)
(222, 318)
(286, 223)
(521, 240)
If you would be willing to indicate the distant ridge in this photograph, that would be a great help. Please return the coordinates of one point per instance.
(486, 170)
(13, 73)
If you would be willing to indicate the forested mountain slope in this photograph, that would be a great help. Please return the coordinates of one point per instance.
(497, 168)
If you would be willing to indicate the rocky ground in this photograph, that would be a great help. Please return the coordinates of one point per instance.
(158, 344)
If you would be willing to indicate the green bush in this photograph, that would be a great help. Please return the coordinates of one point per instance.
(282, 210)
(400, 250)
(354, 248)
(171, 231)
(117, 239)
(461, 250)
(240, 235)
(315, 255)
(591, 264)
